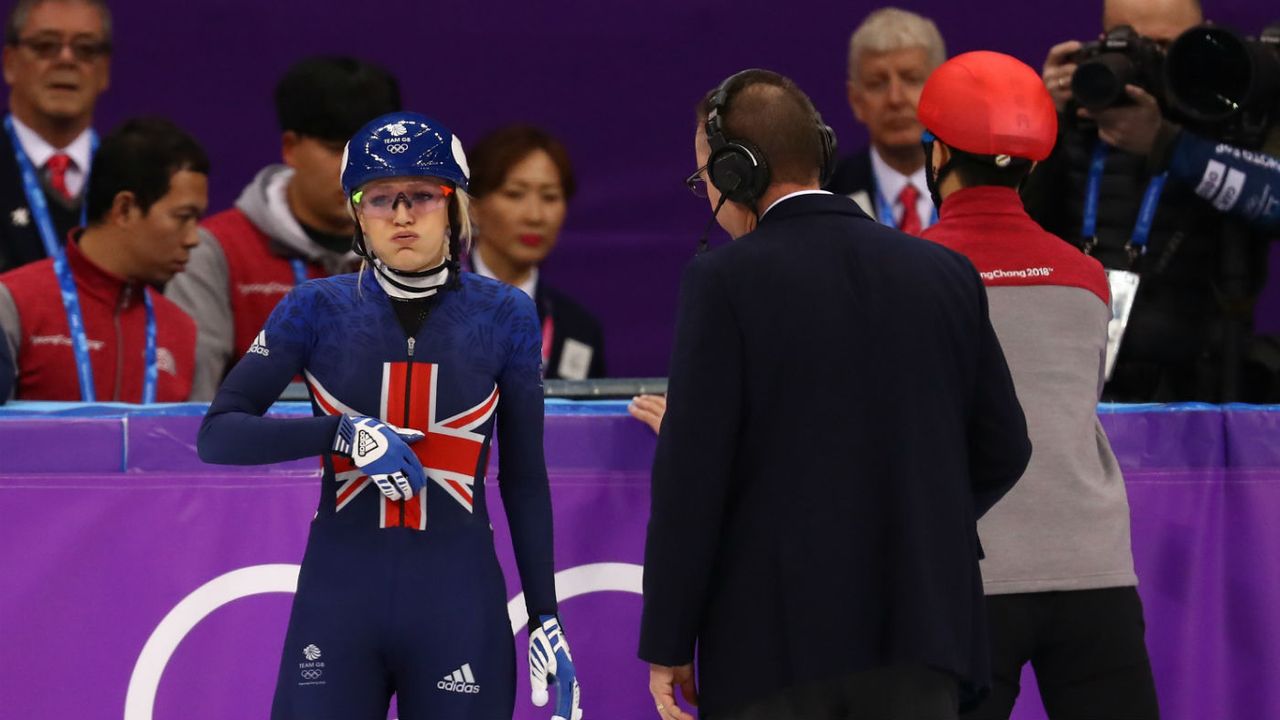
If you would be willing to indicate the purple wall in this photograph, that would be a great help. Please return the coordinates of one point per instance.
(617, 81)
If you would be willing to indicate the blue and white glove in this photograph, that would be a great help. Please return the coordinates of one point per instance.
(549, 658)
(382, 452)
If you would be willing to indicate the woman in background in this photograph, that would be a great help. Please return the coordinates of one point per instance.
(521, 180)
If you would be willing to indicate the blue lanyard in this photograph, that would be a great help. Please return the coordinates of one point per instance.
(1146, 214)
(67, 283)
(884, 211)
(151, 374)
(299, 271)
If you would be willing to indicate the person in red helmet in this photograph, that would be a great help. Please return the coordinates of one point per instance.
(1058, 572)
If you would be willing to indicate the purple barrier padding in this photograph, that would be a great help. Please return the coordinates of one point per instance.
(168, 444)
(1253, 437)
(596, 445)
(1191, 437)
(80, 445)
(1206, 547)
(93, 563)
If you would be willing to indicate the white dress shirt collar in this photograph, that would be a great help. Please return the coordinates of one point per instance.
(39, 151)
(890, 183)
(529, 286)
(791, 195)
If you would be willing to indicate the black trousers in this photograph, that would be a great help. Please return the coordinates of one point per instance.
(891, 693)
(1087, 648)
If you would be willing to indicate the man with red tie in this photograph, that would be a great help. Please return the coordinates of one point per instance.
(890, 55)
(57, 60)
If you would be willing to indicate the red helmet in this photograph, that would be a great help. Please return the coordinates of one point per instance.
(988, 103)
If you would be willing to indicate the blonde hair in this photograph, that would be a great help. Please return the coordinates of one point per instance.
(465, 220)
(891, 28)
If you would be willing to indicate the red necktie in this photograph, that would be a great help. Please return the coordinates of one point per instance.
(910, 222)
(57, 167)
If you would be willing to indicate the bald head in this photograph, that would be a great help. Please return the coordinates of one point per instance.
(1156, 19)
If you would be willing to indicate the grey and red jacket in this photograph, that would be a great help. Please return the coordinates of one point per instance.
(115, 318)
(1065, 525)
(242, 269)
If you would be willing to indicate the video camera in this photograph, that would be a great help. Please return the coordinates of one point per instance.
(1210, 78)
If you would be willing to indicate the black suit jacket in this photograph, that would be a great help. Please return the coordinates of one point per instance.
(839, 416)
(19, 238)
(574, 327)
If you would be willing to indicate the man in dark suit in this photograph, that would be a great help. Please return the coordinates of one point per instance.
(890, 55)
(57, 59)
(840, 415)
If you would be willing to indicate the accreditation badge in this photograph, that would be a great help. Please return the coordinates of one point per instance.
(1124, 288)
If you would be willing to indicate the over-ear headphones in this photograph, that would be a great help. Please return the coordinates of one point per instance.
(736, 167)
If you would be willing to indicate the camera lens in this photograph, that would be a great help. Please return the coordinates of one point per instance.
(1099, 83)
(1210, 73)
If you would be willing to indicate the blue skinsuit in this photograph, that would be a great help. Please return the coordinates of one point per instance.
(401, 597)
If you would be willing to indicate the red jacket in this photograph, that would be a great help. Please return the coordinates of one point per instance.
(115, 320)
(258, 278)
(989, 225)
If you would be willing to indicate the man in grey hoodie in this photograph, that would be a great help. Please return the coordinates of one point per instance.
(291, 223)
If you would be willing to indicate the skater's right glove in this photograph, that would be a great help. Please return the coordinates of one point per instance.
(382, 452)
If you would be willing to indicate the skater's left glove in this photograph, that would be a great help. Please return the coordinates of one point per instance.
(550, 661)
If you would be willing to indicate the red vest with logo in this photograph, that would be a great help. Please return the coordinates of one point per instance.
(257, 278)
(115, 321)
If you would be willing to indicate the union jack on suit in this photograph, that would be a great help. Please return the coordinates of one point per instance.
(450, 453)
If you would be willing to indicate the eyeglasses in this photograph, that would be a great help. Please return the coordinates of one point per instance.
(381, 202)
(697, 183)
(50, 48)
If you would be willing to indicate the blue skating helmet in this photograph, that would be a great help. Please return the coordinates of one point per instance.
(403, 144)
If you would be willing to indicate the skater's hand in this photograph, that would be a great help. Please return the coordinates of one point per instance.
(382, 452)
(662, 686)
(550, 661)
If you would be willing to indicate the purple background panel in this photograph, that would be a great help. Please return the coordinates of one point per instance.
(94, 561)
(616, 81)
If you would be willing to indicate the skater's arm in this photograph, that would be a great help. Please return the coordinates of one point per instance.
(234, 431)
(522, 468)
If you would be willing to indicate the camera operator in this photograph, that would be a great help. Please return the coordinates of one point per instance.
(1104, 189)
